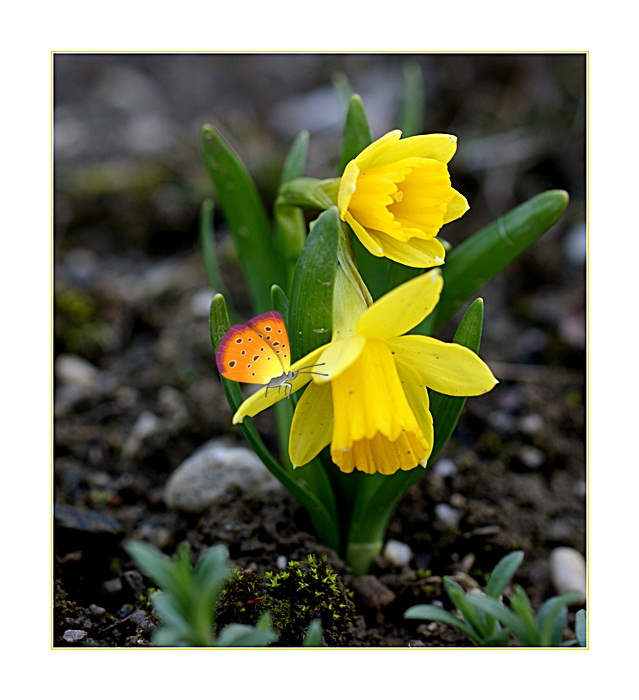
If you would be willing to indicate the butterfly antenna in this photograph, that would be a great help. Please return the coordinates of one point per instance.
(321, 374)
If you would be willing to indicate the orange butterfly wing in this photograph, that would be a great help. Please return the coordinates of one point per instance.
(255, 352)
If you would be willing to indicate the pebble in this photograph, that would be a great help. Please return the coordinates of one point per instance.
(85, 520)
(531, 457)
(146, 425)
(281, 562)
(568, 572)
(531, 424)
(201, 303)
(397, 553)
(210, 472)
(74, 635)
(75, 371)
(445, 468)
(373, 592)
(447, 516)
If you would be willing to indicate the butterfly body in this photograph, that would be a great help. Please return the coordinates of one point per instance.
(257, 352)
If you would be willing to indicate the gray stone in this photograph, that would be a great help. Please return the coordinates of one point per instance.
(209, 473)
(146, 425)
(445, 468)
(75, 371)
(74, 635)
(397, 553)
(568, 572)
(447, 517)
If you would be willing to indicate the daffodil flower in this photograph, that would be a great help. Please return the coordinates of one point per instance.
(396, 195)
(372, 406)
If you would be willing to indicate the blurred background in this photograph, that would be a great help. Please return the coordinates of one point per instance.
(129, 177)
(137, 393)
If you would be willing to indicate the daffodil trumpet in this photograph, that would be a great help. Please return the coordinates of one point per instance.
(371, 401)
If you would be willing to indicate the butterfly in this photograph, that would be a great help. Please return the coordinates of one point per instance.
(259, 352)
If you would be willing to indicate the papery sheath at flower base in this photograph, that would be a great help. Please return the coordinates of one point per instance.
(396, 195)
(372, 406)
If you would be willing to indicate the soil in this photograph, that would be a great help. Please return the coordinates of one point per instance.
(131, 300)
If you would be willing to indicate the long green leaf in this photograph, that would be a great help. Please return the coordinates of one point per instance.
(290, 221)
(311, 300)
(502, 574)
(485, 254)
(551, 620)
(317, 499)
(430, 612)
(356, 134)
(379, 495)
(246, 218)
(412, 108)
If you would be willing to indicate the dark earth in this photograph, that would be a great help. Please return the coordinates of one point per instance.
(131, 301)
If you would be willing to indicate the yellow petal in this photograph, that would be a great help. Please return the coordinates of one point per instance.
(439, 147)
(338, 356)
(445, 367)
(312, 424)
(261, 400)
(347, 187)
(374, 428)
(402, 308)
(376, 150)
(415, 252)
(456, 208)
(417, 396)
(380, 455)
(422, 203)
(348, 301)
(368, 241)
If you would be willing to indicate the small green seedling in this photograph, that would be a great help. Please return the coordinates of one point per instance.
(487, 621)
(188, 598)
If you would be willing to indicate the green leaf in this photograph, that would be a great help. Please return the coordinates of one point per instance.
(237, 635)
(469, 612)
(279, 302)
(447, 409)
(207, 247)
(503, 573)
(411, 113)
(356, 134)
(290, 221)
(551, 620)
(506, 616)
(311, 301)
(246, 218)
(485, 254)
(430, 612)
(379, 495)
(310, 487)
(581, 631)
(520, 603)
(314, 635)
(151, 561)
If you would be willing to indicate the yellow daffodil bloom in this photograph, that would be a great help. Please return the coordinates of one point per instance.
(396, 195)
(372, 404)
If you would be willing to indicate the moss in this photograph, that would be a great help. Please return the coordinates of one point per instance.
(78, 328)
(303, 592)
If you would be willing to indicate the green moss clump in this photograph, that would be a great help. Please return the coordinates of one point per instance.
(295, 597)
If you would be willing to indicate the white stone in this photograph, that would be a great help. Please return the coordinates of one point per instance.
(146, 425)
(447, 516)
(568, 572)
(445, 468)
(71, 370)
(210, 472)
(201, 303)
(397, 553)
(281, 562)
